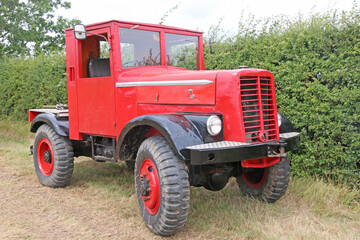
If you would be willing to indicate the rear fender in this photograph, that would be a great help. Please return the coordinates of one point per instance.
(179, 130)
(61, 127)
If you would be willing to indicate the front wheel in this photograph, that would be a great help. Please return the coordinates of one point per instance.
(53, 157)
(162, 187)
(267, 184)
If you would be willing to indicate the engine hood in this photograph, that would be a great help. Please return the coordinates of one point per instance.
(170, 85)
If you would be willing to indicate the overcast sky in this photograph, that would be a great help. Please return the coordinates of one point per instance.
(195, 14)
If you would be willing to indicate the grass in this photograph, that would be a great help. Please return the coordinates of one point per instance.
(311, 208)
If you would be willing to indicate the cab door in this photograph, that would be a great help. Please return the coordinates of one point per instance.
(95, 86)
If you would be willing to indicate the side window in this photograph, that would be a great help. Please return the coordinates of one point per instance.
(139, 48)
(104, 49)
(182, 51)
(95, 57)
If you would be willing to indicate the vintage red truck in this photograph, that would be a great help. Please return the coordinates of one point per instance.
(140, 93)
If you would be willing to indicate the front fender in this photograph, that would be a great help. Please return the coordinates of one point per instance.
(61, 127)
(180, 130)
(286, 126)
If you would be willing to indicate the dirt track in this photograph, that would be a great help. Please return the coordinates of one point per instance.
(30, 210)
(100, 203)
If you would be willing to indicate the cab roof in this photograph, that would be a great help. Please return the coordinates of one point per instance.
(132, 24)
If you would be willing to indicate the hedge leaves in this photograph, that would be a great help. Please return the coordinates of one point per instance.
(315, 62)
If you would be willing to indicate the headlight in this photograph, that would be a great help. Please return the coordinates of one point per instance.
(214, 125)
(279, 119)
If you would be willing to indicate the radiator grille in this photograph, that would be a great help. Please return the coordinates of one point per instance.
(258, 108)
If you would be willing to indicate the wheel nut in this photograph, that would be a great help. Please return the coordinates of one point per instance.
(148, 190)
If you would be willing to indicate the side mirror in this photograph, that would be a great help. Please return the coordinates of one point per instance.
(80, 32)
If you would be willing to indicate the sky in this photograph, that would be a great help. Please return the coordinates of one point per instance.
(195, 14)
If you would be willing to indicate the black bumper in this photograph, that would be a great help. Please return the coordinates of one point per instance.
(225, 151)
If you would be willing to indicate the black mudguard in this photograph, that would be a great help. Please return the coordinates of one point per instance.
(61, 127)
(180, 130)
(286, 126)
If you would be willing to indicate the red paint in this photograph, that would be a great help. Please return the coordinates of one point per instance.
(153, 202)
(202, 94)
(259, 163)
(72, 62)
(46, 164)
(258, 106)
(254, 179)
(98, 107)
(32, 115)
(153, 132)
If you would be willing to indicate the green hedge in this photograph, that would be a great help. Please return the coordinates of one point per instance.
(316, 65)
(31, 83)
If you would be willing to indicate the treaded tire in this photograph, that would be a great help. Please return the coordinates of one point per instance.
(269, 187)
(58, 169)
(174, 191)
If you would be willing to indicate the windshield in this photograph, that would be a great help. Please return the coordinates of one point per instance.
(182, 51)
(139, 48)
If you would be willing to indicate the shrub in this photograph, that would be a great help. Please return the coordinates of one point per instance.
(31, 82)
(315, 63)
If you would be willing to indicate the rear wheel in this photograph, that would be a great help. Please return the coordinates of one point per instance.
(53, 157)
(162, 187)
(267, 184)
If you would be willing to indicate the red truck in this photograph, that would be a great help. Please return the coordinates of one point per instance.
(139, 93)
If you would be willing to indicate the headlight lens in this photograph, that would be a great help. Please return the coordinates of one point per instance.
(214, 125)
(279, 119)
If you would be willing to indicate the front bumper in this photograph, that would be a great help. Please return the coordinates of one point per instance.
(227, 151)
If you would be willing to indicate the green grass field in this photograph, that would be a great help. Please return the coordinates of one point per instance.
(101, 202)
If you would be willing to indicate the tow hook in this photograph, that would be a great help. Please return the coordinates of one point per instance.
(277, 150)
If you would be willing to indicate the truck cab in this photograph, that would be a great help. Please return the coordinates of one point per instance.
(140, 93)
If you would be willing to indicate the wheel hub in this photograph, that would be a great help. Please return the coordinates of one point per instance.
(47, 156)
(256, 178)
(149, 186)
(144, 186)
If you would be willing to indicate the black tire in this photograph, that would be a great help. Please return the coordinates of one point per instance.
(53, 157)
(267, 184)
(155, 158)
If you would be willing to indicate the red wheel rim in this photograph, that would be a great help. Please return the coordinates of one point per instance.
(255, 179)
(149, 178)
(45, 157)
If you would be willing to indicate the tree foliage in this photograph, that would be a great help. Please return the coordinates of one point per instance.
(30, 26)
